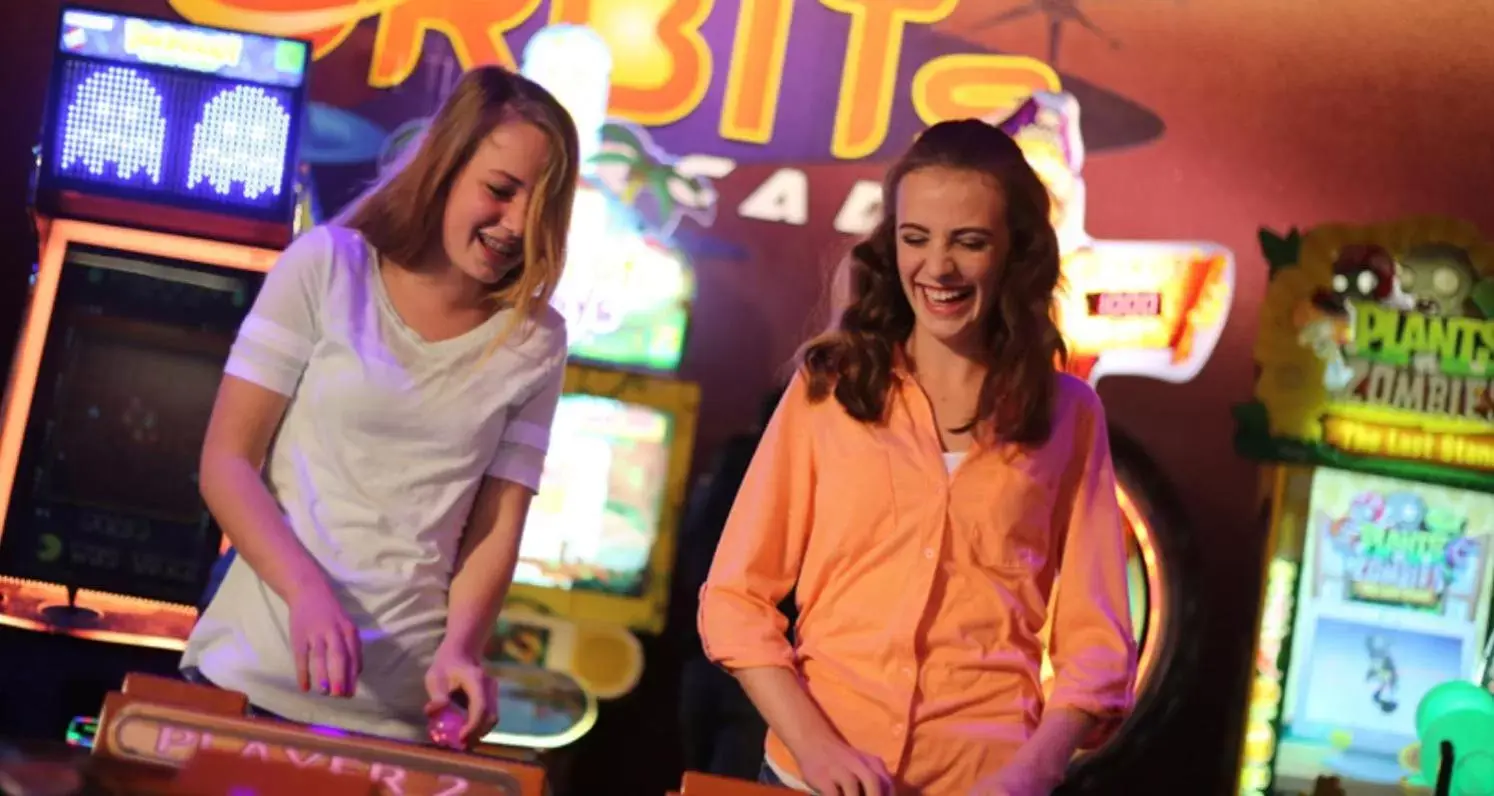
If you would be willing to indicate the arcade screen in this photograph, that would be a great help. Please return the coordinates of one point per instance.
(593, 525)
(1392, 599)
(625, 294)
(106, 493)
(162, 112)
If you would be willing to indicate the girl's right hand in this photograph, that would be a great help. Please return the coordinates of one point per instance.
(324, 642)
(832, 768)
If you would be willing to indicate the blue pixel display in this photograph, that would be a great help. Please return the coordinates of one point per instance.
(158, 112)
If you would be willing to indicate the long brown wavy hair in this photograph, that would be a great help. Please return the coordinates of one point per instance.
(854, 359)
(401, 214)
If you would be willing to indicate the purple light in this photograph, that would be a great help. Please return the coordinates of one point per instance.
(241, 138)
(115, 117)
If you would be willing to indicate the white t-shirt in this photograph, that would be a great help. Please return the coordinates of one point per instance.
(384, 443)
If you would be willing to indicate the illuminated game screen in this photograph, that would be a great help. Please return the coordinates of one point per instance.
(176, 114)
(593, 525)
(106, 493)
(1392, 599)
(625, 296)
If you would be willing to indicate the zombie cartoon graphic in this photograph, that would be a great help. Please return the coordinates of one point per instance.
(1440, 278)
(1382, 676)
(241, 139)
(1325, 326)
(1366, 272)
(115, 118)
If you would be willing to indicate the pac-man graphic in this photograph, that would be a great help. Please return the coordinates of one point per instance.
(241, 140)
(115, 118)
(49, 548)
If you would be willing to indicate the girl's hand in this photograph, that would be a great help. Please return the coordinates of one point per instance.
(830, 767)
(1023, 776)
(324, 642)
(454, 672)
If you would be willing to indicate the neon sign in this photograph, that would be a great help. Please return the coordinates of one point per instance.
(1377, 342)
(662, 66)
(1152, 308)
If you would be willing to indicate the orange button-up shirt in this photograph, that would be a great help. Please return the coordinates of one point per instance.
(921, 592)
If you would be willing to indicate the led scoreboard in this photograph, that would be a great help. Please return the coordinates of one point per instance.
(174, 127)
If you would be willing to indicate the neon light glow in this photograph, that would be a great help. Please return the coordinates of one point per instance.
(573, 63)
(625, 295)
(173, 45)
(219, 141)
(1394, 379)
(201, 124)
(242, 138)
(114, 118)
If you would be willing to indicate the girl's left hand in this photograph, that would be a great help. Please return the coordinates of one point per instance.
(455, 672)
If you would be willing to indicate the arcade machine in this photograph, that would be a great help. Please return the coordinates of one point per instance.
(599, 544)
(1138, 308)
(1373, 423)
(165, 186)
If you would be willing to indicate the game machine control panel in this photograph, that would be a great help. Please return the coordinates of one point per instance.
(1374, 427)
(164, 736)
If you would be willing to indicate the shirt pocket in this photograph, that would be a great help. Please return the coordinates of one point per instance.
(854, 503)
(1012, 522)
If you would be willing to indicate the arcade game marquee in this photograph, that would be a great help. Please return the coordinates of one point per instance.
(165, 186)
(1373, 420)
(1140, 308)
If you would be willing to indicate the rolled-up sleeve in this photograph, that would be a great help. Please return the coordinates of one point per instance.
(277, 336)
(762, 546)
(520, 457)
(1092, 646)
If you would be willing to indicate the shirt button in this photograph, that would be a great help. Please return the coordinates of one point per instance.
(928, 552)
(897, 728)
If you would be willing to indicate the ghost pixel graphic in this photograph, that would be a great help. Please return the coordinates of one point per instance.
(241, 140)
(115, 119)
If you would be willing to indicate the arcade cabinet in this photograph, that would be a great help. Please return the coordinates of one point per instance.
(1139, 308)
(598, 547)
(164, 190)
(1373, 424)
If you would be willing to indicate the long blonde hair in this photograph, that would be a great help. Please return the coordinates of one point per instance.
(401, 215)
